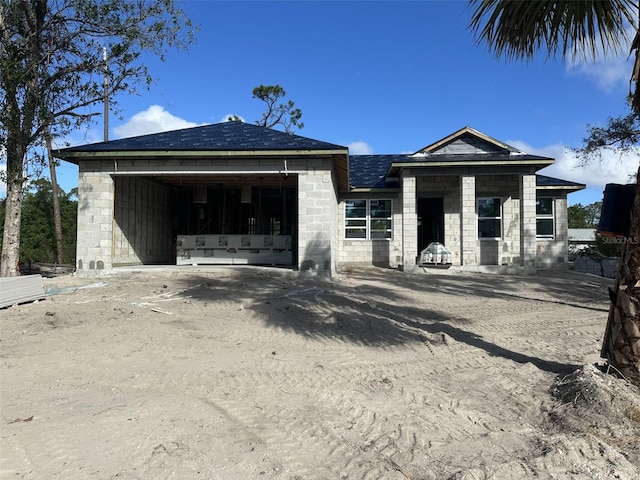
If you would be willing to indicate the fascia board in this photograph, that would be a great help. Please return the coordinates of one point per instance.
(69, 156)
(573, 188)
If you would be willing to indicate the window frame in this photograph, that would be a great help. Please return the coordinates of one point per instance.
(498, 218)
(368, 220)
(546, 216)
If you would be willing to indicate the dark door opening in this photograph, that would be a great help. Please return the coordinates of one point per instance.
(430, 221)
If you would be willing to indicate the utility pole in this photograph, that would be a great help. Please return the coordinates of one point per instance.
(106, 95)
(57, 219)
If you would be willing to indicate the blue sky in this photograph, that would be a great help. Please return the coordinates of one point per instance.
(379, 77)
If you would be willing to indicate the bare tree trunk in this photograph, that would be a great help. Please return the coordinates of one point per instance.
(621, 344)
(10, 260)
(57, 220)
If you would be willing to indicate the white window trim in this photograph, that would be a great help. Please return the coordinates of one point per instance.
(547, 216)
(490, 218)
(367, 220)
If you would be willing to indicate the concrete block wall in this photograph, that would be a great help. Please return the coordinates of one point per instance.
(137, 238)
(141, 166)
(142, 224)
(506, 250)
(317, 217)
(489, 251)
(469, 221)
(554, 253)
(382, 253)
(95, 218)
(497, 185)
(509, 248)
(409, 222)
(335, 225)
(527, 220)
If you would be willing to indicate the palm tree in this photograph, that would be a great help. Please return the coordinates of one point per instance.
(573, 29)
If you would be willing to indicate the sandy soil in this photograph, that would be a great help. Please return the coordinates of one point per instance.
(220, 373)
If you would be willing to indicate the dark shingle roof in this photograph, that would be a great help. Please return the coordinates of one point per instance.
(231, 136)
(545, 181)
(368, 171)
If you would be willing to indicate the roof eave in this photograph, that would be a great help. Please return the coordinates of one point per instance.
(78, 155)
(473, 163)
(541, 162)
(568, 188)
(372, 189)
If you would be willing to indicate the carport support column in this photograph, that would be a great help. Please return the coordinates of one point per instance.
(317, 218)
(468, 220)
(528, 220)
(409, 223)
(95, 221)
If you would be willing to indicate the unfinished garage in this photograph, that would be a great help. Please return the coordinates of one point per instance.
(228, 193)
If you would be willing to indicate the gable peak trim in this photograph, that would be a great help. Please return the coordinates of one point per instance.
(432, 148)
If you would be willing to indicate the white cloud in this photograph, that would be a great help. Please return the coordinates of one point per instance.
(613, 167)
(152, 120)
(360, 148)
(608, 70)
(607, 75)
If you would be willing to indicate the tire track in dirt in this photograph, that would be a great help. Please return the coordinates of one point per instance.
(292, 432)
(373, 432)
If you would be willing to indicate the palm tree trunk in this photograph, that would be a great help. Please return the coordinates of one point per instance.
(621, 344)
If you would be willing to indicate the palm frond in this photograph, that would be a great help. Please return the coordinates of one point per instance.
(571, 29)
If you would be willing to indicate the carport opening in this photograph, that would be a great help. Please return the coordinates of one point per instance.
(245, 220)
(209, 220)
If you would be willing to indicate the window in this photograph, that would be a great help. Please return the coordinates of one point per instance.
(544, 218)
(489, 218)
(367, 219)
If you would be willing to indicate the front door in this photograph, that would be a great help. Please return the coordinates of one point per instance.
(430, 221)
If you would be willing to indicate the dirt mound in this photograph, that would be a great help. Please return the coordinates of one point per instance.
(601, 405)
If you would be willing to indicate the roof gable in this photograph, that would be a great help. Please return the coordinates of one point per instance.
(467, 141)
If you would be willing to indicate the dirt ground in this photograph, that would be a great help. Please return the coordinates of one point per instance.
(255, 373)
